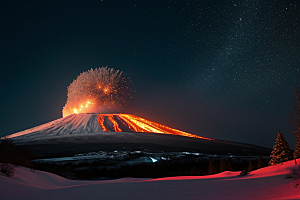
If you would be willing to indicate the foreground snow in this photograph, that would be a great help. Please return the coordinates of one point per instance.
(265, 183)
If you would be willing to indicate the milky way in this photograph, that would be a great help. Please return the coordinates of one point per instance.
(240, 52)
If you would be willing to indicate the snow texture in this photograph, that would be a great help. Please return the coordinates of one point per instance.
(79, 124)
(265, 183)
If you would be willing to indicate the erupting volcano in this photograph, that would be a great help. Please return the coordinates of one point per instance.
(98, 90)
(86, 126)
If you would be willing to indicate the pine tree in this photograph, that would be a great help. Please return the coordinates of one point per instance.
(281, 151)
(297, 147)
(295, 121)
(251, 166)
(260, 162)
(224, 165)
(213, 168)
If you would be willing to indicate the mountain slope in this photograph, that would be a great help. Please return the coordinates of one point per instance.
(73, 124)
(86, 124)
(83, 133)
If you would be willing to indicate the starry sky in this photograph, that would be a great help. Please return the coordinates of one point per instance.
(216, 68)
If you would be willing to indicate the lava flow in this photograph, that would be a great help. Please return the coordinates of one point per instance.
(138, 124)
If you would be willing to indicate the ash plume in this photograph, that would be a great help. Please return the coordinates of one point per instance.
(98, 90)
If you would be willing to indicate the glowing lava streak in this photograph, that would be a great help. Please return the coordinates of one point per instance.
(139, 124)
(100, 119)
(115, 124)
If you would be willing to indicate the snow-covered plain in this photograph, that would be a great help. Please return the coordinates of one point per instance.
(266, 183)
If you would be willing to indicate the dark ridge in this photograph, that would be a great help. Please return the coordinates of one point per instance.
(108, 124)
(69, 146)
(122, 124)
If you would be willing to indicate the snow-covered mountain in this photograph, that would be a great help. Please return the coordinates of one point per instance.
(82, 133)
(91, 124)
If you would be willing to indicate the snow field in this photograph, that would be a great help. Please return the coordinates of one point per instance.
(266, 183)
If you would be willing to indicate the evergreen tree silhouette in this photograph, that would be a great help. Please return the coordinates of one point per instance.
(281, 151)
(213, 168)
(297, 147)
(251, 166)
(295, 121)
(260, 162)
(224, 165)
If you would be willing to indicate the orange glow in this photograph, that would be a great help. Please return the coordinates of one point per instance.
(115, 124)
(80, 108)
(100, 119)
(149, 126)
(138, 124)
(97, 89)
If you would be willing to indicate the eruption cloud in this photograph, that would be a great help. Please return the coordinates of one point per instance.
(98, 90)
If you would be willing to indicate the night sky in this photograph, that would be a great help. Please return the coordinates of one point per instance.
(215, 68)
